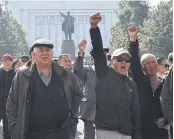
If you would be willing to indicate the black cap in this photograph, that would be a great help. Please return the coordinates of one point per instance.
(25, 58)
(40, 43)
(170, 57)
(160, 59)
(106, 50)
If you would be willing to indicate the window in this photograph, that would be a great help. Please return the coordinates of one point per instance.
(38, 20)
(58, 19)
(52, 20)
(87, 18)
(45, 20)
(80, 19)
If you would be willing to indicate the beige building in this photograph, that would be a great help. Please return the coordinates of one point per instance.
(42, 19)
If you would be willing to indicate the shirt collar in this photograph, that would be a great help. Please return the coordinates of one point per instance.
(41, 73)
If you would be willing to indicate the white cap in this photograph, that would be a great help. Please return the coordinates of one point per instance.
(120, 51)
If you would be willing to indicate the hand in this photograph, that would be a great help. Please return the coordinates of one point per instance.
(82, 46)
(132, 33)
(160, 122)
(95, 19)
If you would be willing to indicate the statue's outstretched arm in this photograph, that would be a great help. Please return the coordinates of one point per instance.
(62, 14)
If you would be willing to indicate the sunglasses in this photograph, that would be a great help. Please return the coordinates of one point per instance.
(165, 65)
(121, 59)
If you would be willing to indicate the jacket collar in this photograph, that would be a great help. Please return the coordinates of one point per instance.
(60, 71)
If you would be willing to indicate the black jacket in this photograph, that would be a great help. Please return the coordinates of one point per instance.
(149, 100)
(167, 97)
(5, 84)
(19, 99)
(117, 105)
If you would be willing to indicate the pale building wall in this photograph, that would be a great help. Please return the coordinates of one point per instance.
(42, 19)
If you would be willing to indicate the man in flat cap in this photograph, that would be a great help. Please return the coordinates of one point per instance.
(6, 76)
(43, 97)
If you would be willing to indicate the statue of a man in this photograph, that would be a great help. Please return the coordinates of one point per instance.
(68, 25)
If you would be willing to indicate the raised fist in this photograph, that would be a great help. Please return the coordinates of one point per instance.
(95, 19)
(133, 31)
(82, 45)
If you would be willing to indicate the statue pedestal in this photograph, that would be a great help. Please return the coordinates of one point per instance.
(68, 47)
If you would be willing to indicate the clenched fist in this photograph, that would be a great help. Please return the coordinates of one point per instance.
(133, 33)
(95, 19)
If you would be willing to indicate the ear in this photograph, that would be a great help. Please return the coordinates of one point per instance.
(33, 55)
(111, 61)
(143, 68)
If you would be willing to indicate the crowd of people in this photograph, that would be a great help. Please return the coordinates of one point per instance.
(118, 96)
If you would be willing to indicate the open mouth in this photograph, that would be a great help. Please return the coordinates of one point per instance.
(123, 68)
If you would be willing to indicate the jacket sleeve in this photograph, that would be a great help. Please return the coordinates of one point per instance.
(135, 116)
(167, 97)
(77, 94)
(12, 103)
(98, 53)
(135, 66)
(79, 69)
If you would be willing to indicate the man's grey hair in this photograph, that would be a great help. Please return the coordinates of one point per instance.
(36, 48)
(62, 55)
(145, 56)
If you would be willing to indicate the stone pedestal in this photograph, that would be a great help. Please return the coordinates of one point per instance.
(68, 47)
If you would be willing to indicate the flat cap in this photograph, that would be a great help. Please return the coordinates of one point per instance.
(40, 43)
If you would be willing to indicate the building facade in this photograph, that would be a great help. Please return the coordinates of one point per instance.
(41, 19)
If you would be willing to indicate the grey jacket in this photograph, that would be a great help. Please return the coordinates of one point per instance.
(18, 102)
(88, 77)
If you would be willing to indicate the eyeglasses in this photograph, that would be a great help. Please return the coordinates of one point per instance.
(121, 59)
(165, 65)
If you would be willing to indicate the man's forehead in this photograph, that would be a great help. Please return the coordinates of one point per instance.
(150, 57)
(43, 47)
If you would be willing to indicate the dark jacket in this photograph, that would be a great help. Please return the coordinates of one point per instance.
(117, 105)
(5, 84)
(18, 103)
(88, 77)
(149, 100)
(167, 97)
